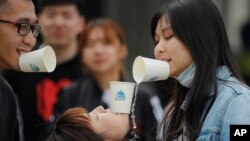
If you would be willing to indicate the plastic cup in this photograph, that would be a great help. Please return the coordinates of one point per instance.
(147, 69)
(121, 96)
(41, 60)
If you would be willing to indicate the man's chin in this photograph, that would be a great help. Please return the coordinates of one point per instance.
(17, 68)
(58, 43)
(11, 68)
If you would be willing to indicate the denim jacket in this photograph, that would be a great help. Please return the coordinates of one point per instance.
(230, 107)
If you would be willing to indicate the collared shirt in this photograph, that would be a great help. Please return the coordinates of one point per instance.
(230, 107)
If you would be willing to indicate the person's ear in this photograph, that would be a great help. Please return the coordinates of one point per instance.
(81, 25)
(124, 51)
(40, 18)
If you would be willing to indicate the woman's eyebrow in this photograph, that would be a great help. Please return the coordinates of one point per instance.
(97, 116)
(168, 31)
(165, 29)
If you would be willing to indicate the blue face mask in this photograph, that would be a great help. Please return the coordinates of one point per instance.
(187, 76)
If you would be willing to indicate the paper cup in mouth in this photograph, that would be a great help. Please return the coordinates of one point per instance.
(147, 69)
(41, 60)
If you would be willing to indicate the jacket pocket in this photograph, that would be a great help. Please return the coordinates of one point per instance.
(209, 135)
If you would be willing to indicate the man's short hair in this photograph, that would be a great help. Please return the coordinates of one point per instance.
(80, 4)
(3, 2)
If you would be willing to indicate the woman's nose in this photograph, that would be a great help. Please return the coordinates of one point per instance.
(109, 111)
(159, 49)
(99, 109)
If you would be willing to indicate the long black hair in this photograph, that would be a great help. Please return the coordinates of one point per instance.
(199, 25)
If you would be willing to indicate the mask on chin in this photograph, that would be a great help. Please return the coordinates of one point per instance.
(187, 76)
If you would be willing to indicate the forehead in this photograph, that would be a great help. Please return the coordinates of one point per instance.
(96, 32)
(100, 33)
(19, 10)
(163, 23)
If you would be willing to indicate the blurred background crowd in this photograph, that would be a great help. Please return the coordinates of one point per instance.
(134, 17)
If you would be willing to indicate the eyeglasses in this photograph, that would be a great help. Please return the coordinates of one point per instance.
(23, 29)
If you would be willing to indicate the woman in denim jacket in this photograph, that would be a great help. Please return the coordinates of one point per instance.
(210, 94)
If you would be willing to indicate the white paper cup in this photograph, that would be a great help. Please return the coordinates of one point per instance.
(147, 69)
(41, 60)
(121, 96)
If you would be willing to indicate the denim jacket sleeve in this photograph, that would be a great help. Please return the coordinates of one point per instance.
(229, 108)
(237, 112)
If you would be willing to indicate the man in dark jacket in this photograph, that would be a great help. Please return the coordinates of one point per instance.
(61, 21)
(17, 21)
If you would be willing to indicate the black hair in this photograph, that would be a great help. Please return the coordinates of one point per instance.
(3, 4)
(245, 34)
(199, 25)
(80, 4)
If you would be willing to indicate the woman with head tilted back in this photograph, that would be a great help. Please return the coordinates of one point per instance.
(211, 95)
(100, 124)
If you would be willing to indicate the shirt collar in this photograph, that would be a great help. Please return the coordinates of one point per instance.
(222, 73)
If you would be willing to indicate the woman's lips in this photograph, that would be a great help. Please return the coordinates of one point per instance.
(58, 34)
(166, 59)
(23, 50)
(99, 61)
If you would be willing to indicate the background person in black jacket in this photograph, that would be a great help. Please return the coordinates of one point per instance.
(103, 51)
(17, 20)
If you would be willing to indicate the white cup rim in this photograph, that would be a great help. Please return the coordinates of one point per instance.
(50, 65)
(144, 69)
(121, 82)
(139, 60)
